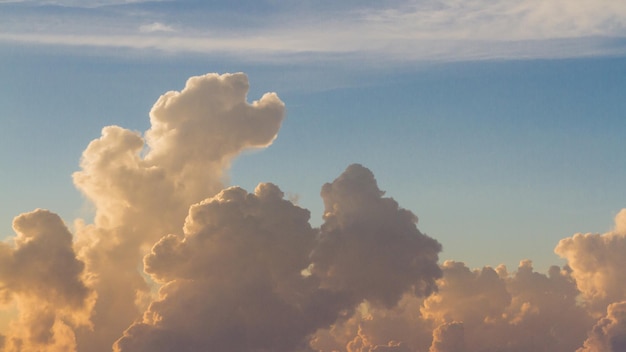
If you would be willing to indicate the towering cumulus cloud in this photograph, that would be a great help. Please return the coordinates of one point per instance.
(174, 261)
(142, 188)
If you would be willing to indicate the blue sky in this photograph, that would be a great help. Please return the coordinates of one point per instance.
(499, 123)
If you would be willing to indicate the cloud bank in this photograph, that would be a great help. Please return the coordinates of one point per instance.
(176, 260)
(405, 30)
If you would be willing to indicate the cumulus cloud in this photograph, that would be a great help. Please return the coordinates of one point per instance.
(234, 281)
(142, 186)
(526, 310)
(609, 333)
(448, 337)
(474, 310)
(244, 258)
(43, 275)
(597, 262)
(369, 245)
(175, 261)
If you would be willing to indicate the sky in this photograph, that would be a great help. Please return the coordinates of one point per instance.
(451, 170)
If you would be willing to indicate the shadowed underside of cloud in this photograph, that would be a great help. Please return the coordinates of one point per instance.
(174, 261)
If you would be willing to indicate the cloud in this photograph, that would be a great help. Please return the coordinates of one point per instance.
(79, 4)
(233, 282)
(609, 333)
(400, 31)
(474, 310)
(142, 186)
(175, 260)
(597, 263)
(448, 337)
(43, 275)
(239, 268)
(371, 246)
(155, 27)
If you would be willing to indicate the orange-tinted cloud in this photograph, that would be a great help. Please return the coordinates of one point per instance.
(609, 333)
(43, 275)
(173, 261)
(142, 186)
(597, 262)
(235, 280)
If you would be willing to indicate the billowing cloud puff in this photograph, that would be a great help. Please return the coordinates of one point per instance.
(523, 311)
(43, 262)
(470, 296)
(234, 281)
(362, 344)
(195, 134)
(43, 275)
(370, 246)
(243, 268)
(609, 333)
(473, 310)
(142, 187)
(598, 263)
(545, 312)
(448, 337)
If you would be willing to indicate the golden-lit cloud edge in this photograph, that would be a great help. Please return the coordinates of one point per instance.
(175, 260)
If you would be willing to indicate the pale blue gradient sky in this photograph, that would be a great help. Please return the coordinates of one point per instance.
(501, 126)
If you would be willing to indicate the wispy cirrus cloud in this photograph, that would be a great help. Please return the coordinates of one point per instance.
(402, 30)
(78, 3)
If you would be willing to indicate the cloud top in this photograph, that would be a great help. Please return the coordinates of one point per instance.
(142, 186)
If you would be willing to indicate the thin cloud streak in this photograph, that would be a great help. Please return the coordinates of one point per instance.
(408, 31)
(78, 3)
(156, 27)
(290, 49)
